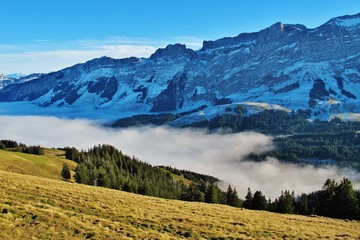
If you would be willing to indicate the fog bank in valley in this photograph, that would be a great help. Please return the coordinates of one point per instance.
(219, 155)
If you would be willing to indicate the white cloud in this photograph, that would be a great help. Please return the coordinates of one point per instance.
(219, 155)
(48, 61)
(47, 55)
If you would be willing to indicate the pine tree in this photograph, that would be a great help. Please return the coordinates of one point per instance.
(229, 193)
(326, 203)
(192, 193)
(212, 194)
(103, 179)
(345, 200)
(286, 202)
(232, 198)
(235, 201)
(82, 174)
(72, 154)
(302, 205)
(270, 206)
(65, 172)
(248, 200)
(259, 201)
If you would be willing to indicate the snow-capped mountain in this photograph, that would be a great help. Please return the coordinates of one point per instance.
(13, 78)
(6, 80)
(286, 66)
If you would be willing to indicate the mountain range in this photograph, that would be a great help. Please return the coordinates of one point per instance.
(10, 79)
(283, 67)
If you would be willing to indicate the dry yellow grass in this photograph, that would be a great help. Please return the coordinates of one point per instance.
(39, 208)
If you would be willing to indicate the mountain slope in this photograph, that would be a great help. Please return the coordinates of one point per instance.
(34, 207)
(284, 64)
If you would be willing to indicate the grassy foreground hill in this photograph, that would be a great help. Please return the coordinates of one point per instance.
(36, 204)
(39, 208)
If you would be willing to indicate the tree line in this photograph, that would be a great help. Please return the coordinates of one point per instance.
(299, 140)
(342, 149)
(336, 200)
(14, 146)
(105, 166)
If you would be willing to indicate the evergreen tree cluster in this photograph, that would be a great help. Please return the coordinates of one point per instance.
(341, 147)
(335, 141)
(276, 123)
(237, 119)
(105, 166)
(20, 147)
(336, 200)
(37, 150)
(211, 193)
(256, 201)
(10, 144)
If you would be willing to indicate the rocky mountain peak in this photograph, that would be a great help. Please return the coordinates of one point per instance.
(174, 51)
(279, 31)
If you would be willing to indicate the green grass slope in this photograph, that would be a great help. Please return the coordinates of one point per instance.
(40, 208)
(48, 165)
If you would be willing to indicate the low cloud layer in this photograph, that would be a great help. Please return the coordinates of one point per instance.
(48, 61)
(220, 155)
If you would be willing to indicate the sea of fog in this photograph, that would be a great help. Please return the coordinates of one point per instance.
(217, 154)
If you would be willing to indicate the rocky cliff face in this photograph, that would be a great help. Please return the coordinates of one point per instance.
(288, 65)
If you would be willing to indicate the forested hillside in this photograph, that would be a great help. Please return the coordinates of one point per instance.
(106, 166)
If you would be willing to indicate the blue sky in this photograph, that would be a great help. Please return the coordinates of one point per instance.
(45, 35)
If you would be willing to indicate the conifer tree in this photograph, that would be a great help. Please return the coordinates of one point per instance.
(65, 172)
(2, 146)
(212, 194)
(345, 200)
(232, 198)
(326, 203)
(302, 205)
(82, 174)
(192, 193)
(286, 202)
(248, 200)
(103, 179)
(259, 201)
(229, 193)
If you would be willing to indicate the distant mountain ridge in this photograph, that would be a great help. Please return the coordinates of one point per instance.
(14, 78)
(285, 65)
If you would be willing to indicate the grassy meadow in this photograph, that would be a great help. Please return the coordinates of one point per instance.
(35, 204)
(48, 165)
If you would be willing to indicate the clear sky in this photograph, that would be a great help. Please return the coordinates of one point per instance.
(47, 35)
